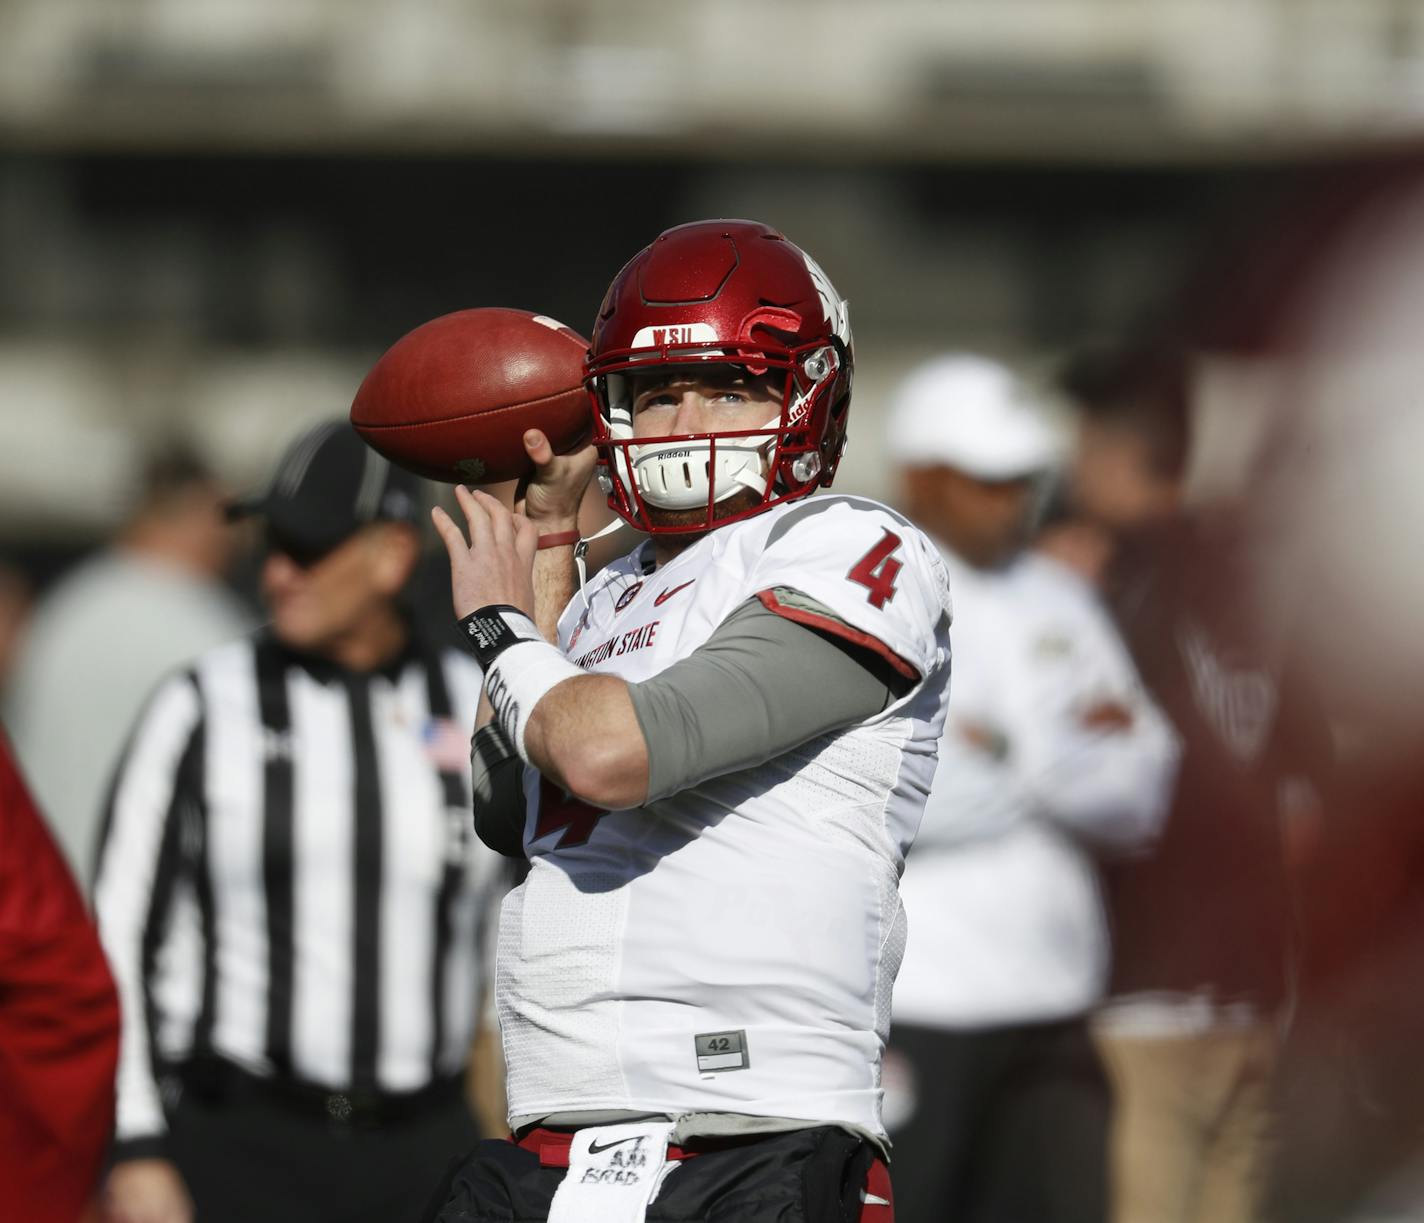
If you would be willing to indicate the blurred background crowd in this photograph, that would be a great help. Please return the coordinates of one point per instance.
(1189, 232)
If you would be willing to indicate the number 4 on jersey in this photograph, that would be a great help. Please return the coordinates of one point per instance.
(558, 809)
(877, 570)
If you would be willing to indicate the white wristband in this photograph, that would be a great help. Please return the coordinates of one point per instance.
(517, 681)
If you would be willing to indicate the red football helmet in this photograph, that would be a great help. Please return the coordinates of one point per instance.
(723, 293)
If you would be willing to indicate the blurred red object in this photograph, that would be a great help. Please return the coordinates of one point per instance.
(59, 1023)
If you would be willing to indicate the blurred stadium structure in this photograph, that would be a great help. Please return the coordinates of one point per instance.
(214, 213)
(1099, 79)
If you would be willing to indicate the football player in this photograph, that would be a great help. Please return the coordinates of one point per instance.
(714, 770)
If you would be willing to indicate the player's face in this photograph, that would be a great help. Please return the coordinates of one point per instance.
(717, 399)
(700, 400)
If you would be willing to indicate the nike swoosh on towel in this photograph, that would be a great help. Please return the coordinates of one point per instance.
(595, 1149)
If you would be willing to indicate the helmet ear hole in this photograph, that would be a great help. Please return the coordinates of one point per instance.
(806, 467)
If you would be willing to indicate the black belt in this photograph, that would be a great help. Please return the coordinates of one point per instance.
(217, 1082)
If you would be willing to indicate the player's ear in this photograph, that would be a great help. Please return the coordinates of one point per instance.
(397, 549)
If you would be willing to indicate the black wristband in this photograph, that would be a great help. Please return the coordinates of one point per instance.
(490, 630)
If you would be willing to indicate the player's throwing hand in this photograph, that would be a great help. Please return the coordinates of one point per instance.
(552, 495)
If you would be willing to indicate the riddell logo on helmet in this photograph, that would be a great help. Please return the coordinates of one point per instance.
(682, 333)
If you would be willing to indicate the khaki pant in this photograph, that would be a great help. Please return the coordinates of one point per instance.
(1191, 1123)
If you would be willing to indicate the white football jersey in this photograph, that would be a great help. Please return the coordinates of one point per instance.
(732, 948)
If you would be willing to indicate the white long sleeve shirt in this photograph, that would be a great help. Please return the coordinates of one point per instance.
(99, 644)
(1005, 919)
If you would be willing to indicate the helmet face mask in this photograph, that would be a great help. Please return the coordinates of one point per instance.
(707, 301)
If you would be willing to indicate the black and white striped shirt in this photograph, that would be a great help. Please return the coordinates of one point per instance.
(288, 877)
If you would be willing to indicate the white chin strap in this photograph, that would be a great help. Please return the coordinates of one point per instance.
(679, 475)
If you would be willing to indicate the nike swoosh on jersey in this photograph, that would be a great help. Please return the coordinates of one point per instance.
(668, 594)
(595, 1149)
(871, 1199)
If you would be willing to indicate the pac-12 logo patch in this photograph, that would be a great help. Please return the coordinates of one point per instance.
(627, 596)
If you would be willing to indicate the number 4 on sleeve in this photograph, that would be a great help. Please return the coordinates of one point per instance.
(878, 569)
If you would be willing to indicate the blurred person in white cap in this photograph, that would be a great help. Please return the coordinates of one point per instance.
(1052, 756)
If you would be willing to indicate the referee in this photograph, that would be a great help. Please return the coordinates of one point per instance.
(289, 891)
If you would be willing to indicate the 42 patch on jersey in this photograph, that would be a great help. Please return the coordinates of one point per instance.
(718, 1051)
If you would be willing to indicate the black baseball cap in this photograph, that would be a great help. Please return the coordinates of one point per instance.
(327, 486)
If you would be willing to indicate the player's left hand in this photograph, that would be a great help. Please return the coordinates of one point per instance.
(496, 563)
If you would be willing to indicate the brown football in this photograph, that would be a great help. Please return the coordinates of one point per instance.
(452, 399)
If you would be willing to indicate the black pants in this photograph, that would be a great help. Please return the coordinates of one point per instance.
(808, 1176)
(1010, 1126)
(253, 1160)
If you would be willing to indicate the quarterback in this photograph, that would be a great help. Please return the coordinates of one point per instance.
(714, 756)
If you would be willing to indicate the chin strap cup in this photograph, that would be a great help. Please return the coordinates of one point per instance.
(581, 557)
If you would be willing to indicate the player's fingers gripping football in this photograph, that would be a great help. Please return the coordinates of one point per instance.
(454, 538)
(491, 524)
(508, 533)
(457, 548)
(511, 535)
(526, 539)
(495, 563)
(552, 495)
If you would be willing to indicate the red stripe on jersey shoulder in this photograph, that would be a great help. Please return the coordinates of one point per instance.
(838, 628)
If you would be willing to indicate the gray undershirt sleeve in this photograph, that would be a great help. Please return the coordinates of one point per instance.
(759, 686)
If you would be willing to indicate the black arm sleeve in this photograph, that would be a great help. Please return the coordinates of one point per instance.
(497, 782)
(759, 686)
